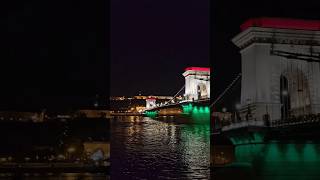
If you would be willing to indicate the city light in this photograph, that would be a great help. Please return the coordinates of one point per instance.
(284, 93)
(238, 106)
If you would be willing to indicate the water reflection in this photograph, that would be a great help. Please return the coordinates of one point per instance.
(162, 148)
(52, 176)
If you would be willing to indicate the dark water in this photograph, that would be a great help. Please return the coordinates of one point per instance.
(165, 148)
(52, 176)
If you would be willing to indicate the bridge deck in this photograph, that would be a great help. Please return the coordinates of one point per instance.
(179, 104)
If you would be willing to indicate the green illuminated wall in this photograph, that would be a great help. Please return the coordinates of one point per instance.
(198, 113)
(151, 114)
(252, 138)
(276, 160)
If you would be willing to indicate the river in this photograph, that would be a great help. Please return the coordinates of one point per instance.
(160, 148)
(54, 176)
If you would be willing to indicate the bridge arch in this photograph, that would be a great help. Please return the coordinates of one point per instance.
(202, 91)
(294, 93)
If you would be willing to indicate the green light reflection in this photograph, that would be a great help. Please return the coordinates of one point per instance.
(151, 114)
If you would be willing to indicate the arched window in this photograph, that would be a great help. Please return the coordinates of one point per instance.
(284, 97)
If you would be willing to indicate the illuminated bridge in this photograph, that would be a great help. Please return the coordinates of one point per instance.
(195, 99)
(274, 124)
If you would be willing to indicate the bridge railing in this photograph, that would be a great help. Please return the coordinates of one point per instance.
(178, 102)
(299, 120)
(229, 123)
(243, 124)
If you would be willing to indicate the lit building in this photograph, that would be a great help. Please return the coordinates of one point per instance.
(94, 113)
(97, 150)
(121, 98)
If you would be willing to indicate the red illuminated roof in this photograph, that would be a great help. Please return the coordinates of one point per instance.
(151, 98)
(197, 69)
(281, 23)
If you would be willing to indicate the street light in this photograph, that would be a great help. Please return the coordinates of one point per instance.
(224, 109)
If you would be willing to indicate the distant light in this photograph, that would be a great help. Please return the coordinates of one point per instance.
(284, 93)
(60, 156)
(71, 149)
(238, 106)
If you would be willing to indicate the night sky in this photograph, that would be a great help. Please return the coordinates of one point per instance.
(153, 41)
(53, 53)
(56, 54)
(226, 18)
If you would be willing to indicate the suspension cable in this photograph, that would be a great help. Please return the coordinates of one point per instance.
(226, 90)
(176, 94)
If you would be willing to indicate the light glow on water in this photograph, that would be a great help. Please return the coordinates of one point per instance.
(160, 148)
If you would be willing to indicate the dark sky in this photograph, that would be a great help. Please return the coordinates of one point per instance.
(153, 41)
(53, 53)
(226, 18)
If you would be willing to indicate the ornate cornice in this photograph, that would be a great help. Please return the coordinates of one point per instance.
(276, 36)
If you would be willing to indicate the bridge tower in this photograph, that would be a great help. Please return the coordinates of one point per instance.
(150, 102)
(280, 74)
(197, 83)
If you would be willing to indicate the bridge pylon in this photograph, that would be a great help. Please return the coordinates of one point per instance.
(273, 84)
(197, 83)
